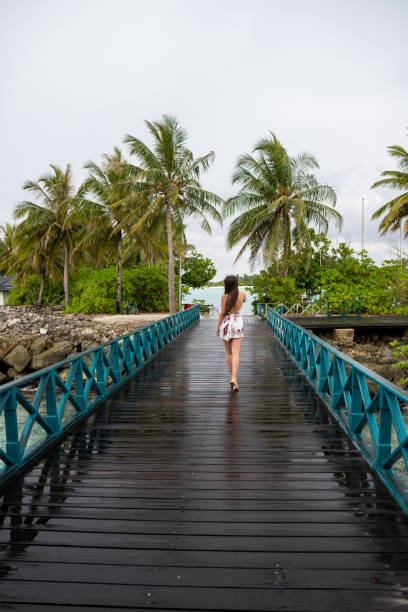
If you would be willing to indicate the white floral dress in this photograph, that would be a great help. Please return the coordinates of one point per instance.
(232, 326)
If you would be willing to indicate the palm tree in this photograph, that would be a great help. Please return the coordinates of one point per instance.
(99, 211)
(169, 185)
(281, 198)
(56, 198)
(396, 209)
(22, 253)
(7, 247)
(102, 212)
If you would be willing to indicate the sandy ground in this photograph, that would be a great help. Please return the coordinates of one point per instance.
(131, 319)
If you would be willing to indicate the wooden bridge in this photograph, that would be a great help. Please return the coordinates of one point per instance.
(177, 494)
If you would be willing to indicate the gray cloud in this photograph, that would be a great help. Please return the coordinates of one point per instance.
(324, 75)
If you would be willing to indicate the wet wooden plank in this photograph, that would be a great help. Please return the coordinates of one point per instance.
(232, 599)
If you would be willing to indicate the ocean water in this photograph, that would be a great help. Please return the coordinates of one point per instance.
(212, 295)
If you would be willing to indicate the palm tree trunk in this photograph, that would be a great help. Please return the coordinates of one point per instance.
(172, 295)
(286, 246)
(42, 287)
(66, 277)
(119, 274)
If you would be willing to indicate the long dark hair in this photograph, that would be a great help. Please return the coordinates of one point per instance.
(231, 290)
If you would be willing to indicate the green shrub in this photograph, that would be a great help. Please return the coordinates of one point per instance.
(95, 290)
(27, 292)
(273, 289)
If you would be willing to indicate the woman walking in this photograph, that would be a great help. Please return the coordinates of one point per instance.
(230, 326)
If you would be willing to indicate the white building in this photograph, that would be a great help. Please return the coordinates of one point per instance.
(6, 284)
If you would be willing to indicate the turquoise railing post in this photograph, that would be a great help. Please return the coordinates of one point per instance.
(385, 430)
(367, 406)
(356, 403)
(260, 309)
(12, 438)
(51, 403)
(127, 353)
(100, 373)
(115, 362)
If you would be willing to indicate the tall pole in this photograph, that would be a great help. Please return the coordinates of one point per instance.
(362, 224)
(180, 284)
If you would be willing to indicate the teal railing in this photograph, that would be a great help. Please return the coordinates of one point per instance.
(261, 310)
(39, 408)
(346, 308)
(372, 410)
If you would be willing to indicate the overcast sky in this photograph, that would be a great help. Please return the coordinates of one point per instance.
(327, 76)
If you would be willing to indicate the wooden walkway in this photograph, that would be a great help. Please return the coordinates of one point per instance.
(178, 494)
(386, 323)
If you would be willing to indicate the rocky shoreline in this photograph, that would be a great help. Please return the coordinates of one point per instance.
(33, 338)
(371, 350)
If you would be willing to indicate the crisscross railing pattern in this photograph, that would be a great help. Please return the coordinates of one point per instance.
(372, 410)
(306, 309)
(36, 409)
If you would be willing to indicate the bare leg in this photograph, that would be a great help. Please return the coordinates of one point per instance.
(235, 348)
(228, 355)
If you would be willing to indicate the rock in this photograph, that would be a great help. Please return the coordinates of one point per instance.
(387, 360)
(13, 322)
(43, 330)
(57, 352)
(367, 348)
(13, 374)
(343, 336)
(6, 344)
(3, 378)
(17, 358)
(37, 345)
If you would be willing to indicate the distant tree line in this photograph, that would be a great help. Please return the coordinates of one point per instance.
(132, 212)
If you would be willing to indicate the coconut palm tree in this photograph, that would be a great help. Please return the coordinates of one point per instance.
(55, 198)
(102, 213)
(23, 253)
(99, 214)
(281, 198)
(169, 185)
(396, 210)
(7, 247)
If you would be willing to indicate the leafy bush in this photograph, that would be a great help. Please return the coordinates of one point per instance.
(401, 351)
(202, 305)
(27, 292)
(269, 287)
(197, 270)
(343, 276)
(95, 290)
(381, 289)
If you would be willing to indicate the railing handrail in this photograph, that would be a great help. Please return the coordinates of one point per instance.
(93, 375)
(29, 377)
(351, 308)
(349, 400)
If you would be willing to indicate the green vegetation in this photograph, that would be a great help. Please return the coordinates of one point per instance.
(115, 237)
(168, 177)
(27, 292)
(123, 215)
(401, 351)
(94, 290)
(340, 274)
(245, 280)
(197, 270)
(281, 199)
(396, 210)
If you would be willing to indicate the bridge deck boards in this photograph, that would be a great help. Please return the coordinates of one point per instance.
(385, 323)
(180, 495)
